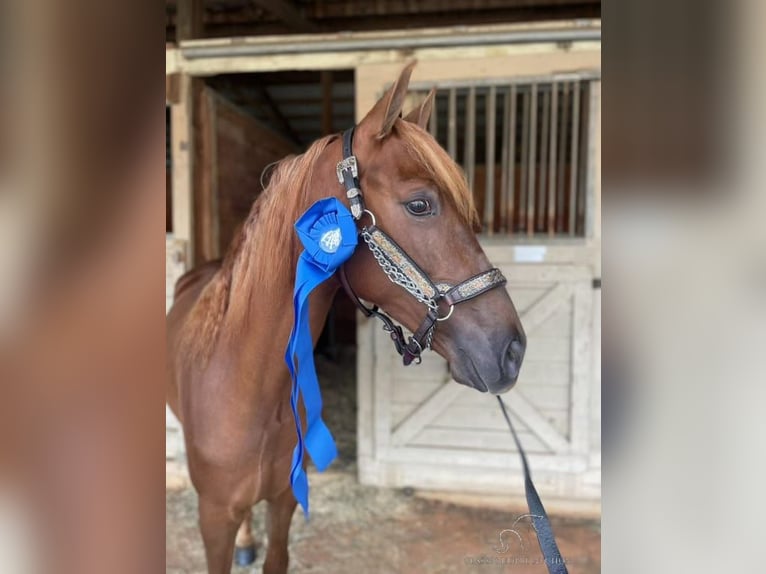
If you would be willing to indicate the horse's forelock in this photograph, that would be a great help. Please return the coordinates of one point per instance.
(440, 168)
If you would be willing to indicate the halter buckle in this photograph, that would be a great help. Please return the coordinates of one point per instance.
(347, 164)
(409, 355)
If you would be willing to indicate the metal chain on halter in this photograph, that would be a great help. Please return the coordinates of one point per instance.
(430, 336)
(395, 274)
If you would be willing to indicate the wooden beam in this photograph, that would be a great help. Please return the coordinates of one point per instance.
(358, 16)
(355, 9)
(580, 57)
(425, 412)
(288, 13)
(538, 424)
(206, 243)
(541, 309)
(189, 23)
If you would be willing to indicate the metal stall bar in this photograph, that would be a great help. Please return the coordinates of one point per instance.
(561, 189)
(541, 191)
(452, 124)
(552, 160)
(489, 162)
(594, 115)
(532, 160)
(524, 155)
(469, 158)
(511, 161)
(582, 158)
(574, 155)
(504, 170)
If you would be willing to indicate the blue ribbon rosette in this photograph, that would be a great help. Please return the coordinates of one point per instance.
(329, 236)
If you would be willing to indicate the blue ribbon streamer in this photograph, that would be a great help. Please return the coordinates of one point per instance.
(329, 236)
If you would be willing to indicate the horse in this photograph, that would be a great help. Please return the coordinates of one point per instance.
(228, 383)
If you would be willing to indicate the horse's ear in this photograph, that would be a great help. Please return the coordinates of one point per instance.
(380, 119)
(421, 114)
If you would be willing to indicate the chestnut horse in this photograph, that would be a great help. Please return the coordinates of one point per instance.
(228, 383)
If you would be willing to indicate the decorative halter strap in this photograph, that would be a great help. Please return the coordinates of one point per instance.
(403, 271)
(347, 171)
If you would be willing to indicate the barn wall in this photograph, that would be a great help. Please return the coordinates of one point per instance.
(243, 148)
(231, 151)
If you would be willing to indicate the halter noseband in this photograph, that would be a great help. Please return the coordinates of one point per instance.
(403, 271)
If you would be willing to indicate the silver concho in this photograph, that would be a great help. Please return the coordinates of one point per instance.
(330, 240)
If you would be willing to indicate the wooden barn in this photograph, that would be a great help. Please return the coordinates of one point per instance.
(518, 105)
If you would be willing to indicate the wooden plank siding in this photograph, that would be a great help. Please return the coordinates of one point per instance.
(233, 150)
(427, 415)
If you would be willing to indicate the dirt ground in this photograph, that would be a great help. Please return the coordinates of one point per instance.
(361, 529)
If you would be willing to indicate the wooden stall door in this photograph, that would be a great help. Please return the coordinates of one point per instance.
(418, 427)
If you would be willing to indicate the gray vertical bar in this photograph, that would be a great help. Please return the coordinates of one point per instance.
(452, 124)
(583, 159)
(489, 162)
(532, 160)
(542, 196)
(434, 125)
(522, 211)
(590, 185)
(552, 159)
(574, 155)
(504, 174)
(561, 181)
(469, 159)
(511, 162)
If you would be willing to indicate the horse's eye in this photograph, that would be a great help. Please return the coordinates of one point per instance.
(419, 207)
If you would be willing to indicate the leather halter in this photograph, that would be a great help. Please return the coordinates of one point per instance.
(403, 271)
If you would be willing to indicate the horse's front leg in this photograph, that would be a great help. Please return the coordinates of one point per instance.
(219, 528)
(280, 513)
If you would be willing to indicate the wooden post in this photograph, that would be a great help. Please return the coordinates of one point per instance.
(205, 175)
(189, 25)
(593, 186)
(181, 146)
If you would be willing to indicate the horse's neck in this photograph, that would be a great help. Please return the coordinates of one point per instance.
(259, 324)
(261, 311)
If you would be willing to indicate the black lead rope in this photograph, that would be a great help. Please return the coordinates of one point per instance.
(545, 539)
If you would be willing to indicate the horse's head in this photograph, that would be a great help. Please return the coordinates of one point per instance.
(419, 197)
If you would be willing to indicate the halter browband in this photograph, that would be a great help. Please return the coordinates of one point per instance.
(403, 271)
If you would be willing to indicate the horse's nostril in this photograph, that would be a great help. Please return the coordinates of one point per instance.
(516, 350)
(513, 357)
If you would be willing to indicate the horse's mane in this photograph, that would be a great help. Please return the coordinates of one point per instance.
(251, 258)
